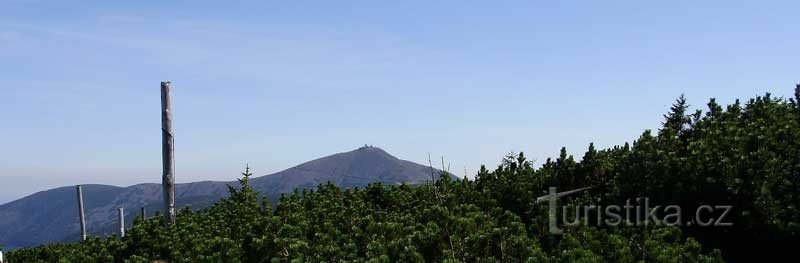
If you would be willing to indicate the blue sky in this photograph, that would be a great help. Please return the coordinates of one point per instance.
(276, 83)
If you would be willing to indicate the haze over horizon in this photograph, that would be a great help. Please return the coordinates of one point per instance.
(278, 84)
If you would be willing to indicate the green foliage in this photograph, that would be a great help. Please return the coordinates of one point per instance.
(375, 224)
(746, 155)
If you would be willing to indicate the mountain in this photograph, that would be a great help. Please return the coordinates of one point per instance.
(51, 215)
(355, 168)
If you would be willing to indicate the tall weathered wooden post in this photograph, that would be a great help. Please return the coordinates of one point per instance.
(121, 222)
(80, 213)
(167, 154)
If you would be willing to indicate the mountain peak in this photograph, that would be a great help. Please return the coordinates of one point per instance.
(366, 146)
(359, 167)
(369, 149)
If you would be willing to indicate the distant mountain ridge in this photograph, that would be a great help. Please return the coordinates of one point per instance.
(51, 215)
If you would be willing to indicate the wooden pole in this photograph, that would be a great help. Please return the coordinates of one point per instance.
(80, 213)
(144, 213)
(121, 222)
(167, 154)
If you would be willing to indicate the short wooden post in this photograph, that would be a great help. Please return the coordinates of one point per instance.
(167, 154)
(121, 222)
(80, 213)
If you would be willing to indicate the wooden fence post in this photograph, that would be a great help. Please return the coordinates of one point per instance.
(121, 222)
(80, 213)
(167, 154)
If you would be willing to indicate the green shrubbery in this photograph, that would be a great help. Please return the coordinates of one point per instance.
(747, 156)
(376, 224)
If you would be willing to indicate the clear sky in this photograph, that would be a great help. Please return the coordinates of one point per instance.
(277, 83)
